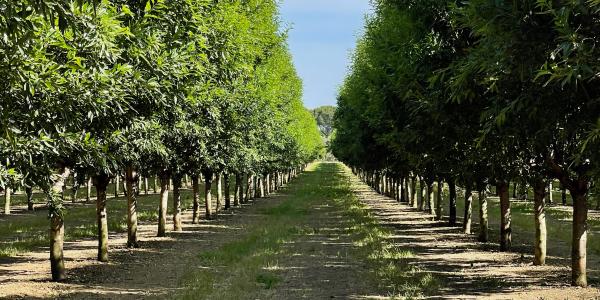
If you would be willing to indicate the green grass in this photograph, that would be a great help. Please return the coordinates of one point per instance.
(390, 267)
(24, 233)
(558, 223)
(247, 268)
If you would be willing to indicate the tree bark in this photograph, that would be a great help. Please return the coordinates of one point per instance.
(155, 186)
(7, 194)
(132, 222)
(256, 186)
(145, 185)
(162, 206)
(407, 190)
(88, 194)
(227, 194)
(239, 194)
(261, 183)
(101, 181)
(57, 228)
(196, 197)
(550, 195)
(452, 202)
(125, 190)
(249, 191)
(579, 244)
(177, 203)
(218, 178)
(483, 216)
(117, 182)
(505, 218)
(267, 180)
(420, 202)
(430, 199)
(29, 194)
(539, 191)
(208, 194)
(468, 209)
(438, 202)
(74, 189)
(413, 191)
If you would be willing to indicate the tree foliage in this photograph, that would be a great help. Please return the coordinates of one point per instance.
(477, 92)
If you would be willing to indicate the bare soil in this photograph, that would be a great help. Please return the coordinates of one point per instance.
(319, 265)
(467, 269)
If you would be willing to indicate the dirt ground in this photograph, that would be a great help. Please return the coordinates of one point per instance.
(466, 268)
(319, 265)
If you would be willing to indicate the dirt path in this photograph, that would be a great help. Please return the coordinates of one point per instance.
(153, 271)
(465, 268)
(320, 264)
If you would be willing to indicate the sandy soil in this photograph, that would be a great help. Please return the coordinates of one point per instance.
(152, 271)
(468, 269)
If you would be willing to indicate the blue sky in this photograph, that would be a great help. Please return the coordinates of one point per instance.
(323, 33)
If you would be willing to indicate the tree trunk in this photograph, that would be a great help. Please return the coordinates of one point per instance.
(88, 194)
(420, 202)
(256, 187)
(227, 194)
(196, 197)
(407, 190)
(125, 190)
(130, 177)
(155, 186)
(452, 202)
(7, 194)
(483, 215)
(249, 191)
(413, 191)
(579, 244)
(438, 202)
(101, 182)
(219, 191)
(550, 195)
(468, 209)
(268, 184)
(505, 230)
(145, 185)
(162, 206)
(29, 193)
(117, 182)
(239, 194)
(208, 194)
(539, 247)
(261, 183)
(74, 189)
(57, 228)
(398, 189)
(430, 200)
(514, 195)
(177, 203)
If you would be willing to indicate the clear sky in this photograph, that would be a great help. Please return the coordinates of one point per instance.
(323, 33)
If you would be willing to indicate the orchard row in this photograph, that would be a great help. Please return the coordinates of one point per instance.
(478, 93)
(95, 89)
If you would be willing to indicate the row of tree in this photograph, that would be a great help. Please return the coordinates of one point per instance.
(478, 93)
(99, 88)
